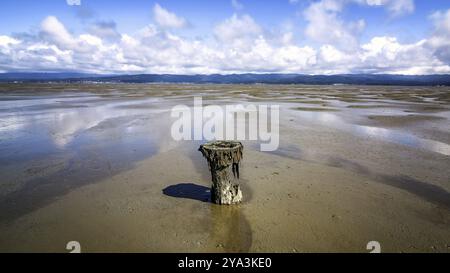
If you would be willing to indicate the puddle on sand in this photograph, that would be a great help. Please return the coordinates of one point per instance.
(229, 229)
(46, 151)
(226, 227)
(390, 135)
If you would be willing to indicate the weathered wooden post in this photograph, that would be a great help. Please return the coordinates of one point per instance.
(221, 155)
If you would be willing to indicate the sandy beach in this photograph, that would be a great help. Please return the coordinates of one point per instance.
(95, 163)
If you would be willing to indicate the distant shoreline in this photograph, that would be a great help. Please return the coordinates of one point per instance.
(341, 79)
(207, 83)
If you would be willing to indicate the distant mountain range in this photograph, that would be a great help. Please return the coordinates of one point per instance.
(364, 79)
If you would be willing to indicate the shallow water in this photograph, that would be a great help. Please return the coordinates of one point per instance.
(51, 144)
(54, 139)
(383, 134)
(92, 131)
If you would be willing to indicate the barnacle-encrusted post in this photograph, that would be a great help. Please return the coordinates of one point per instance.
(221, 155)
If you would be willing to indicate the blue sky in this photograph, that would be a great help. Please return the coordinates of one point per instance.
(22, 15)
(226, 36)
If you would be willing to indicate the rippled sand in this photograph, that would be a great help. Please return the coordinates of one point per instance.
(96, 164)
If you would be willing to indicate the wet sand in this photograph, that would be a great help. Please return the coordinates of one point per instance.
(400, 121)
(95, 170)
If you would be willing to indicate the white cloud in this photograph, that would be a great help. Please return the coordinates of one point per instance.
(56, 31)
(6, 41)
(239, 45)
(167, 19)
(330, 54)
(325, 26)
(395, 7)
(105, 30)
(237, 5)
(390, 56)
(91, 40)
(439, 42)
(238, 30)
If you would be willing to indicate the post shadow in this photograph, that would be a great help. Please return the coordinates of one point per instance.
(189, 191)
(227, 226)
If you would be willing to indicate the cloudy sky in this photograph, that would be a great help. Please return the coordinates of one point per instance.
(225, 36)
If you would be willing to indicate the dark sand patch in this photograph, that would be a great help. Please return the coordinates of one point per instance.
(438, 135)
(310, 101)
(409, 108)
(395, 121)
(314, 109)
(349, 100)
(371, 106)
(427, 109)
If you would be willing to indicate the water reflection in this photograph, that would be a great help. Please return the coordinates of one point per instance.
(390, 135)
(229, 229)
(44, 141)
